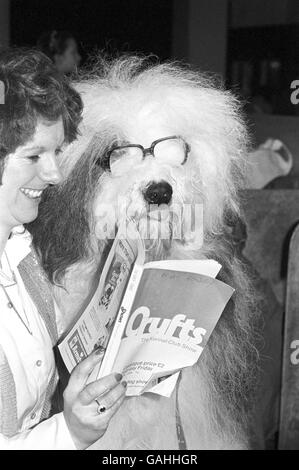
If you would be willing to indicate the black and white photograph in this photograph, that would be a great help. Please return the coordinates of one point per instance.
(149, 228)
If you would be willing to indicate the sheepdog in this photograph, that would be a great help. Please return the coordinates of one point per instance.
(155, 137)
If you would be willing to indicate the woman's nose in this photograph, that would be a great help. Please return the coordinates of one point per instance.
(50, 171)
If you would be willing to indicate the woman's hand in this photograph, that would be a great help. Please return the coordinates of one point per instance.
(86, 424)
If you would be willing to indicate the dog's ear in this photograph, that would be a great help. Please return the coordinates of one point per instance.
(61, 232)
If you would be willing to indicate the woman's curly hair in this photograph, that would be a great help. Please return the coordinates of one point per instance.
(33, 89)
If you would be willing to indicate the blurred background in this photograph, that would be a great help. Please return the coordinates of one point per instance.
(252, 46)
(251, 43)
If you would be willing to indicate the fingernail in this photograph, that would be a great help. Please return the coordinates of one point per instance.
(118, 377)
(124, 383)
(100, 350)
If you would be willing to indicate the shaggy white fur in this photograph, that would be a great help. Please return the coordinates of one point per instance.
(132, 101)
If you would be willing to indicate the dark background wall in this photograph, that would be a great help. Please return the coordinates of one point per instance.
(251, 44)
(122, 25)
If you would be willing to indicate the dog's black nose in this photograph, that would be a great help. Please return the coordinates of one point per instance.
(158, 193)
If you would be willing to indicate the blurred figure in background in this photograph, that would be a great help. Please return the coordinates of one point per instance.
(62, 48)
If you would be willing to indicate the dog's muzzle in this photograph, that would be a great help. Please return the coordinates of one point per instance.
(158, 193)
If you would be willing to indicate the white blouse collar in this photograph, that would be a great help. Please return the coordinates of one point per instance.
(16, 249)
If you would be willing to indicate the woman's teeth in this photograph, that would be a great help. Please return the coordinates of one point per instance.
(31, 193)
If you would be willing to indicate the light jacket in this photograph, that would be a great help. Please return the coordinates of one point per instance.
(52, 432)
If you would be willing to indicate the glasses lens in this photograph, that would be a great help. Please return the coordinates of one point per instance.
(171, 151)
(123, 159)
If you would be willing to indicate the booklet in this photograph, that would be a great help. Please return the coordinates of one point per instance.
(153, 319)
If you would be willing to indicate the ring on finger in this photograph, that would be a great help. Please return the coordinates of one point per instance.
(101, 408)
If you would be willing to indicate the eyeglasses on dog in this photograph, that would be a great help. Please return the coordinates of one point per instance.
(172, 150)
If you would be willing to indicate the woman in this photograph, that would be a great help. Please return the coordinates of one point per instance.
(62, 48)
(40, 113)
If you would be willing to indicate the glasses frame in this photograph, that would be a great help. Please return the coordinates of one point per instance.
(147, 151)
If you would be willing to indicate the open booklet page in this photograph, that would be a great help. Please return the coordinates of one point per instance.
(94, 325)
(154, 318)
(171, 318)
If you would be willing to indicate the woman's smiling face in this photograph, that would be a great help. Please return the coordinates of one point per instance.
(27, 172)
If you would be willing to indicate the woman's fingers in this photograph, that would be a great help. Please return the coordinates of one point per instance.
(86, 419)
(116, 405)
(109, 399)
(107, 415)
(82, 371)
(104, 386)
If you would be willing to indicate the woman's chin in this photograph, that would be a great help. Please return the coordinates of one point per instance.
(27, 216)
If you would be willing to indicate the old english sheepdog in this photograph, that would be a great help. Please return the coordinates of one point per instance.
(156, 140)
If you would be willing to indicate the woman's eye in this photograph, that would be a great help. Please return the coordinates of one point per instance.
(33, 158)
(58, 151)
